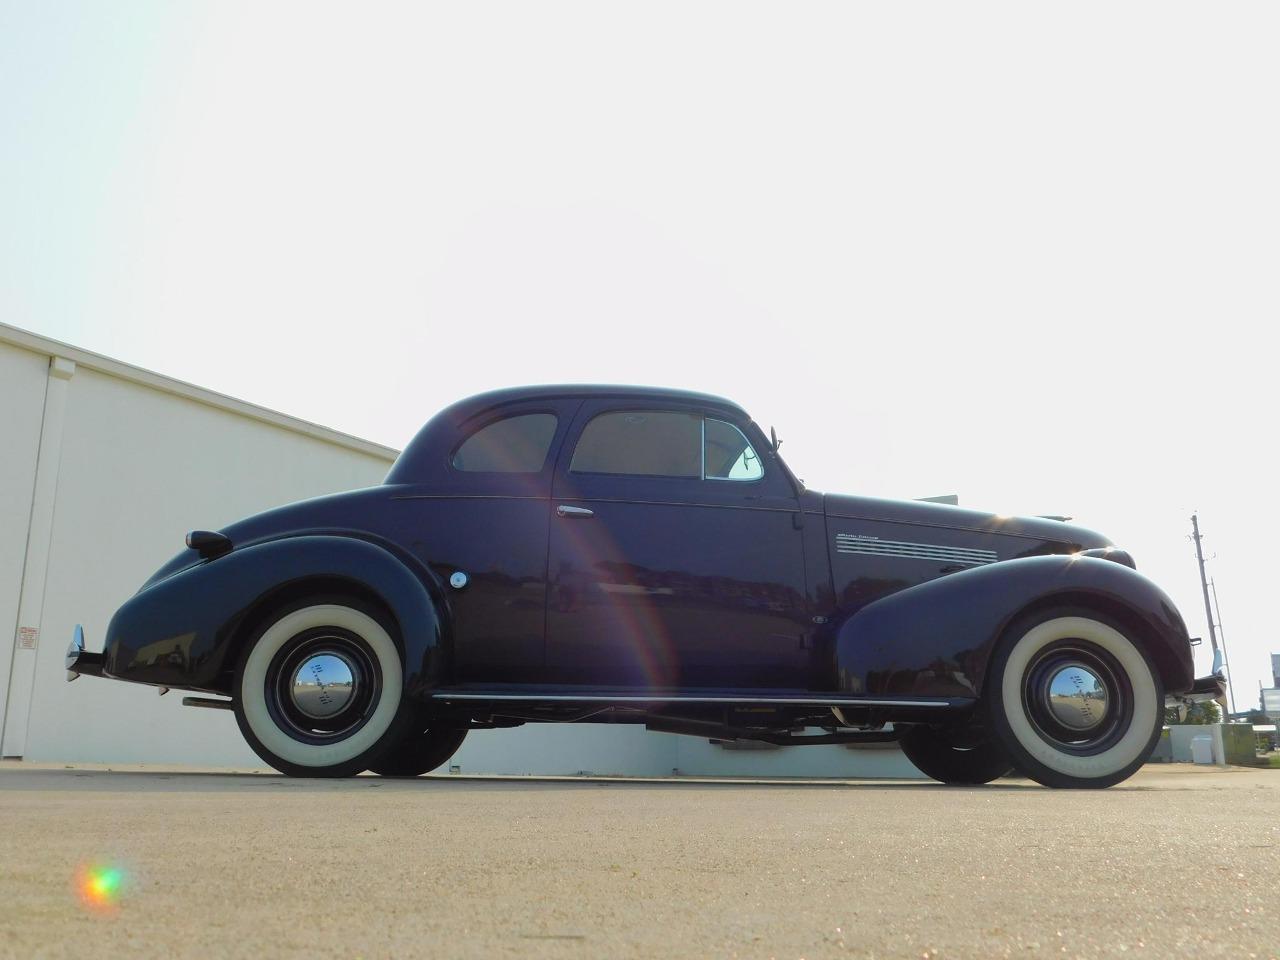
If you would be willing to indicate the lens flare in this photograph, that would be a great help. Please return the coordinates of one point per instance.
(100, 885)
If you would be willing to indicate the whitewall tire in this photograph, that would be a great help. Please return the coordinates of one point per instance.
(319, 690)
(1075, 699)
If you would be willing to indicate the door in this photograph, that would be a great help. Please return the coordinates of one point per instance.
(675, 555)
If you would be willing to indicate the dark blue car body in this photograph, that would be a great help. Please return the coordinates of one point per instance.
(688, 603)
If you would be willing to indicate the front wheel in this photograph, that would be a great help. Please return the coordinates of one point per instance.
(319, 690)
(1075, 699)
(955, 756)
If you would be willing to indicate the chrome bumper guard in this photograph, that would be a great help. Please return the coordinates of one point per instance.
(1212, 687)
(80, 662)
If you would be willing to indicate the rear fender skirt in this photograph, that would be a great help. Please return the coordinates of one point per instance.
(935, 639)
(185, 631)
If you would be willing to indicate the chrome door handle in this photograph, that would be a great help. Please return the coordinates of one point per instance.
(574, 513)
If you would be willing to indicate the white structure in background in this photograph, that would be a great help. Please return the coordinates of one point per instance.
(106, 466)
(1270, 696)
(1271, 702)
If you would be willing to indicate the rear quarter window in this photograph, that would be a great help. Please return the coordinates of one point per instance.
(516, 444)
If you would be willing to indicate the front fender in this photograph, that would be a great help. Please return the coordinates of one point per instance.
(183, 631)
(935, 639)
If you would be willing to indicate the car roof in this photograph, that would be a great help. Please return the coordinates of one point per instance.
(585, 391)
(424, 457)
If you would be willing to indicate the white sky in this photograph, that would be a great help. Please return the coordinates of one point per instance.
(1023, 253)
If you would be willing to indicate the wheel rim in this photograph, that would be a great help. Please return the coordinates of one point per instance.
(322, 685)
(1077, 697)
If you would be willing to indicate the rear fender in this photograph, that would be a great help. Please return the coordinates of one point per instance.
(936, 639)
(186, 630)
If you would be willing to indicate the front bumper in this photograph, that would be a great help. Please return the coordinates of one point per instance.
(1212, 687)
(80, 662)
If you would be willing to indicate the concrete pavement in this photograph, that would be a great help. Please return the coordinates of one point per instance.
(1177, 862)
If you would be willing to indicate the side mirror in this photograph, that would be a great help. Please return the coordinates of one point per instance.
(773, 438)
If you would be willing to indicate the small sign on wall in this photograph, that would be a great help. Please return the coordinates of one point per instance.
(27, 637)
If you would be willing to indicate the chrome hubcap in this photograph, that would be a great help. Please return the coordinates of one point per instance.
(1077, 697)
(323, 685)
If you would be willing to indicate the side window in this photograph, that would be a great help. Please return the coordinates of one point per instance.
(649, 443)
(514, 445)
(652, 443)
(728, 455)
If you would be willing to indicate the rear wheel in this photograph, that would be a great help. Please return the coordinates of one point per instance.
(955, 756)
(319, 690)
(1074, 698)
(420, 753)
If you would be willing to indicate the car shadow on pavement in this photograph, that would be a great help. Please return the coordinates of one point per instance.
(18, 777)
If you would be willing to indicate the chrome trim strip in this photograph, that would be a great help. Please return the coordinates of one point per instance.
(854, 538)
(463, 496)
(868, 547)
(917, 525)
(599, 698)
(918, 555)
(851, 543)
(685, 503)
(632, 500)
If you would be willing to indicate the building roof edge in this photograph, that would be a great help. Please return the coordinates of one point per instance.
(36, 343)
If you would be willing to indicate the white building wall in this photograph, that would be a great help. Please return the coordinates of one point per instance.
(140, 468)
(139, 465)
(141, 460)
(22, 389)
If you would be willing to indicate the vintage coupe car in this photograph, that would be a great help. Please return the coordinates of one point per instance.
(626, 555)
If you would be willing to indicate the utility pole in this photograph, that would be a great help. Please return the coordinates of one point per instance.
(1226, 659)
(1204, 584)
(1208, 610)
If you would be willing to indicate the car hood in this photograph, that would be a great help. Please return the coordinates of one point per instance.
(925, 514)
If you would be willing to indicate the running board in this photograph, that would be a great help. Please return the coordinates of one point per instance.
(208, 703)
(501, 696)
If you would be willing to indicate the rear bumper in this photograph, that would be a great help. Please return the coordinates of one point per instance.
(1212, 687)
(80, 662)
